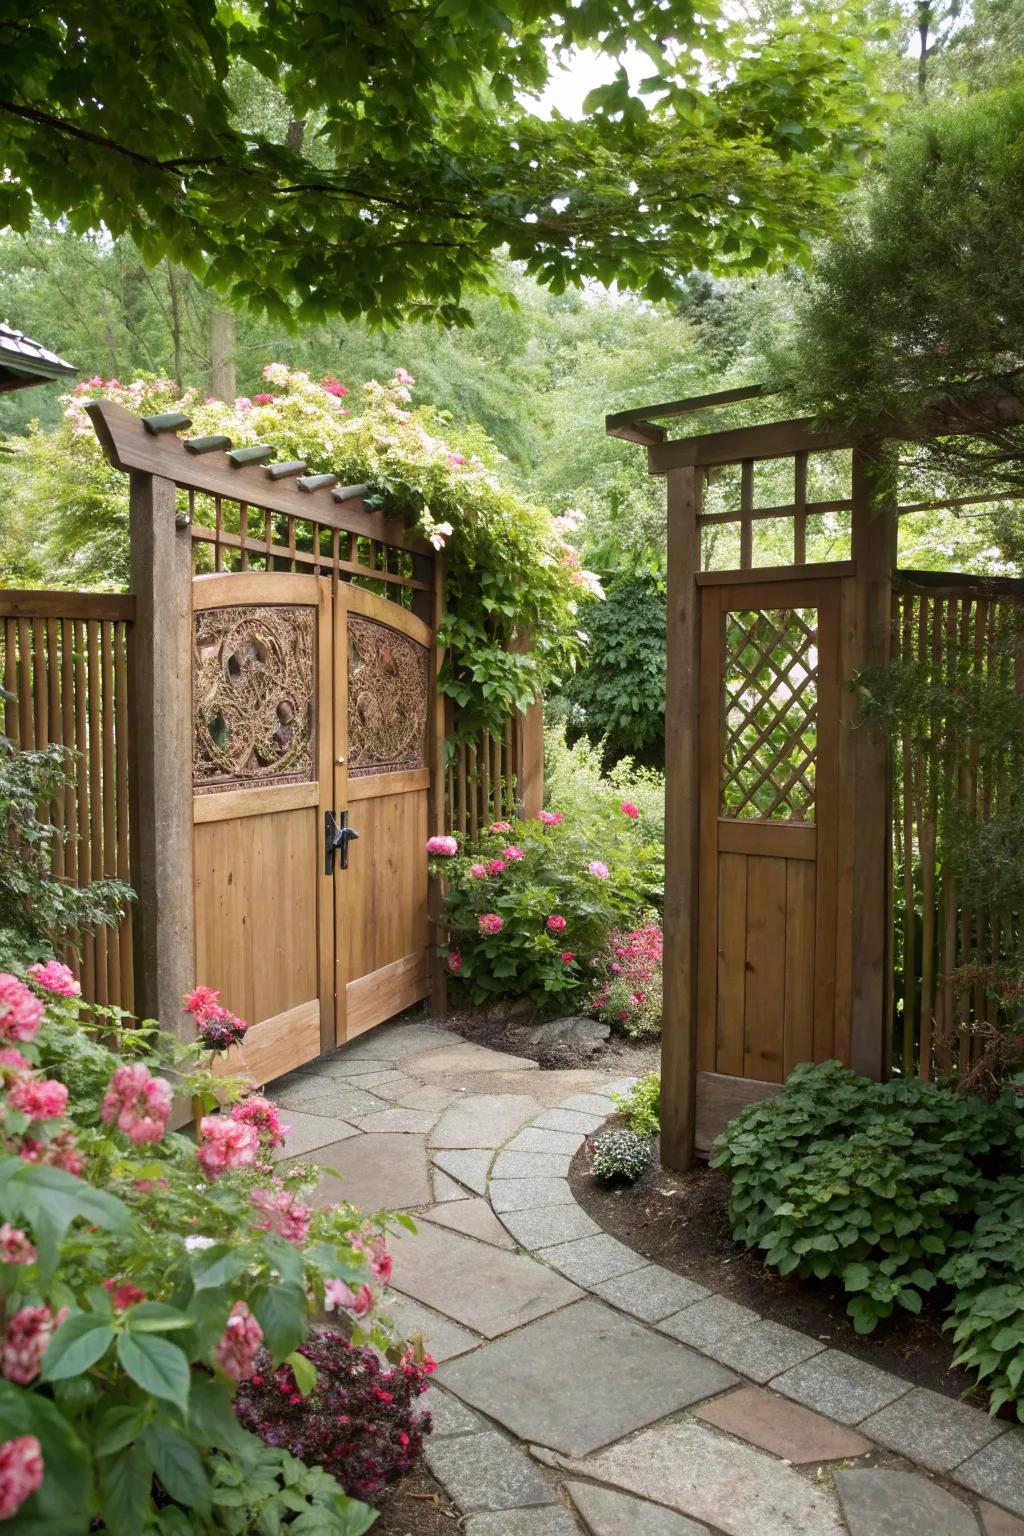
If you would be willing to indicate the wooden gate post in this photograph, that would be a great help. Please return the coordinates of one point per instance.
(874, 530)
(160, 690)
(682, 693)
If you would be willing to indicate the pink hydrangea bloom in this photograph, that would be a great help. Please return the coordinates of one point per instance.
(282, 1213)
(240, 1343)
(455, 459)
(490, 923)
(501, 826)
(21, 1472)
(226, 1144)
(567, 956)
(56, 978)
(39, 1098)
(21, 1012)
(15, 1061)
(259, 1112)
(629, 809)
(551, 818)
(497, 867)
(597, 868)
(454, 961)
(478, 871)
(138, 1104)
(263, 399)
(442, 847)
(512, 853)
(15, 1246)
(404, 377)
(556, 923)
(332, 387)
(26, 1340)
(341, 1296)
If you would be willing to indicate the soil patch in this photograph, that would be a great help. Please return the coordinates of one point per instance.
(511, 1027)
(417, 1506)
(682, 1221)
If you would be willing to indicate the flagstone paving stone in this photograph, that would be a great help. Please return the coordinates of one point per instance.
(387, 1084)
(997, 1472)
(443, 1338)
(765, 1349)
(484, 1120)
(582, 1377)
(703, 1324)
(997, 1522)
(836, 1384)
(531, 1165)
(375, 1172)
(610, 1513)
(785, 1428)
(651, 1292)
(400, 1121)
(590, 1103)
(588, 1260)
(467, 1057)
(569, 1120)
(564, 1143)
(479, 1286)
(470, 1168)
(526, 1194)
(703, 1474)
(446, 1189)
(338, 1098)
(307, 1132)
(449, 1416)
(487, 1471)
(473, 1217)
(549, 1224)
(879, 1502)
(931, 1429)
(427, 1096)
(553, 1521)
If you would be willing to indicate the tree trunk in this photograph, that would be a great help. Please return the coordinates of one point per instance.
(924, 18)
(222, 354)
(172, 286)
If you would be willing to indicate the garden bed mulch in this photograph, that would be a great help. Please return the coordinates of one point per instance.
(417, 1506)
(682, 1222)
(511, 1027)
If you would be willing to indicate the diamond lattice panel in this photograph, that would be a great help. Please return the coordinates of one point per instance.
(770, 681)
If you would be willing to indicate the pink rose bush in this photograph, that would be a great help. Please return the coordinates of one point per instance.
(530, 904)
(56, 978)
(216, 1026)
(629, 986)
(154, 1268)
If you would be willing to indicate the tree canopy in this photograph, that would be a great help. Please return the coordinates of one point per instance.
(401, 150)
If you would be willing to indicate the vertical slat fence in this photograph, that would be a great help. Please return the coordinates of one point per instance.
(64, 659)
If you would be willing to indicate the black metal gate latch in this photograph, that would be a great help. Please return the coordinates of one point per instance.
(337, 836)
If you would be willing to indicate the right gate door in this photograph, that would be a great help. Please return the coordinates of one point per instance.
(768, 853)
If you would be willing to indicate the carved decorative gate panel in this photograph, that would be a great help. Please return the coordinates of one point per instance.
(769, 786)
(311, 706)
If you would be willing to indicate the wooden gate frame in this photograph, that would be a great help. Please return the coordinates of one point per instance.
(364, 542)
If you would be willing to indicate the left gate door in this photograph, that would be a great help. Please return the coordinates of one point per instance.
(262, 715)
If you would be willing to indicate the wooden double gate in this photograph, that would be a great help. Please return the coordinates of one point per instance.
(310, 789)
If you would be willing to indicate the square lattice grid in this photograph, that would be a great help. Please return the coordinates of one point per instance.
(770, 697)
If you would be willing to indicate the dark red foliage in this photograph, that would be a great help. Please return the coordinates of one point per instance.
(362, 1421)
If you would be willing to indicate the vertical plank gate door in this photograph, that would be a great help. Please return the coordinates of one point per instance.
(263, 731)
(769, 812)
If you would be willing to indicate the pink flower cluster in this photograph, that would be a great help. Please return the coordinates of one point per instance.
(264, 1117)
(454, 961)
(138, 1104)
(513, 854)
(598, 869)
(21, 1012)
(478, 871)
(56, 978)
(60, 1152)
(632, 977)
(332, 387)
(123, 1294)
(239, 1344)
(555, 923)
(282, 1212)
(226, 1144)
(629, 809)
(490, 923)
(375, 1246)
(263, 399)
(39, 1098)
(21, 1472)
(551, 818)
(26, 1340)
(217, 1027)
(442, 847)
(341, 1297)
(505, 827)
(15, 1246)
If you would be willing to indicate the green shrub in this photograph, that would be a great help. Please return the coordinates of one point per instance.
(986, 1272)
(573, 776)
(621, 1156)
(640, 1106)
(867, 1182)
(618, 694)
(529, 905)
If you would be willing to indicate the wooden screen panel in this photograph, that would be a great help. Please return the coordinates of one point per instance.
(767, 906)
(384, 671)
(263, 904)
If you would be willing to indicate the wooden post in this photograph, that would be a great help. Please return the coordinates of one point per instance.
(160, 714)
(679, 1029)
(437, 735)
(874, 528)
(530, 760)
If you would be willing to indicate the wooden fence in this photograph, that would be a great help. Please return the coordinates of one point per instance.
(64, 660)
(950, 635)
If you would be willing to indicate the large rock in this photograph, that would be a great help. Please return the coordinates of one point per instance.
(573, 1036)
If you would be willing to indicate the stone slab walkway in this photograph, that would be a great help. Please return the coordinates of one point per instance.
(582, 1388)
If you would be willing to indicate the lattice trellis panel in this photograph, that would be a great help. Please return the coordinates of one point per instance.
(770, 697)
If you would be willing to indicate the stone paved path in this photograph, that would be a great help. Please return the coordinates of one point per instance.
(582, 1388)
